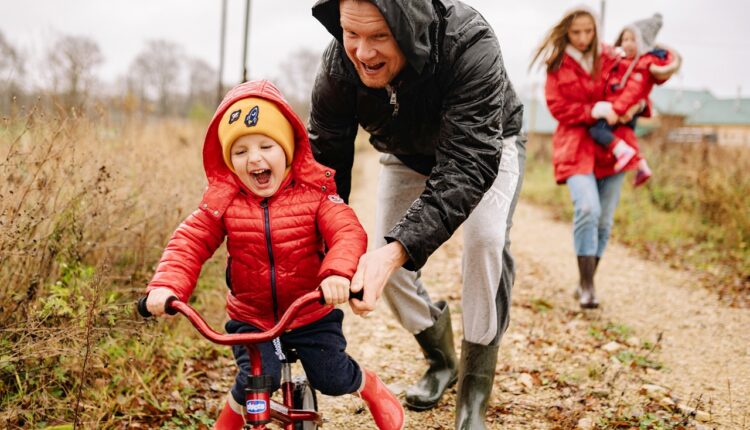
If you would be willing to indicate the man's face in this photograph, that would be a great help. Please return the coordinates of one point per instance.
(369, 44)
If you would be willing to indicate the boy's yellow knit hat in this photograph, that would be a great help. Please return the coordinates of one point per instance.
(255, 115)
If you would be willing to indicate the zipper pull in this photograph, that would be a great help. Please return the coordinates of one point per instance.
(394, 98)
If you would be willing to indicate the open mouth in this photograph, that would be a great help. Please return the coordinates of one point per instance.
(262, 176)
(372, 68)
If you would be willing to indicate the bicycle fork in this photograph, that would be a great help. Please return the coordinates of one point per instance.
(259, 408)
(257, 392)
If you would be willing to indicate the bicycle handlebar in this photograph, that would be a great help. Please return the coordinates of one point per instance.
(174, 305)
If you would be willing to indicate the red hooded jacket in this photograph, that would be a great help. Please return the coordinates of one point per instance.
(571, 93)
(639, 82)
(275, 245)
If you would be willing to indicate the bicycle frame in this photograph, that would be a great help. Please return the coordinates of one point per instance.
(259, 407)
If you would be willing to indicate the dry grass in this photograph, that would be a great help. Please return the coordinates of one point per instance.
(692, 213)
(86, 206)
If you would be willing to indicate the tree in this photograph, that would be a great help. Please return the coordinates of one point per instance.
(72, 60)
(202, 84)
(297, 79)
(155, 73)
(11, 68)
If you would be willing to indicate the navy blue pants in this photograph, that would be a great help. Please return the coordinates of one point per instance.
(321, 349)
(602, 134)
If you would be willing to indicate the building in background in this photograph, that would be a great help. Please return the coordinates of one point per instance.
(679, 116)
(724, 121)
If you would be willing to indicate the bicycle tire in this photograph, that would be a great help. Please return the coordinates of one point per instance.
(304, 397)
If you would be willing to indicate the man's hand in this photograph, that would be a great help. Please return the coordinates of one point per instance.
(335, 289)
(156, 300)
(373, 271)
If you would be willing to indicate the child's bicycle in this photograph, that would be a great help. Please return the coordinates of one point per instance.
(299, 410)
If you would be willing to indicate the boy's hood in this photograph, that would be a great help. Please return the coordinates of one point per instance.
(223, 183)
(410, 22)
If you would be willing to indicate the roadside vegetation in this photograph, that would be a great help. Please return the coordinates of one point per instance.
(693, 213)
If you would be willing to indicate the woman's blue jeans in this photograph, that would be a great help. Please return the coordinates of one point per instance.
(594, 203)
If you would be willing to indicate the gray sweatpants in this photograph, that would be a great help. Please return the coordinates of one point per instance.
(487, 266)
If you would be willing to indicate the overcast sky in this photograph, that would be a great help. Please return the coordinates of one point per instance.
(713, 36)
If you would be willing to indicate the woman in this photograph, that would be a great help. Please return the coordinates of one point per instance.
(577, 65)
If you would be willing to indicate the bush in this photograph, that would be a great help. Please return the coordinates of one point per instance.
(86, 206)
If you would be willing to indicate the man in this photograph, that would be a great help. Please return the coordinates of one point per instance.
(427, 81)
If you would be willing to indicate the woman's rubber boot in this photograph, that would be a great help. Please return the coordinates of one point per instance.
(587, 294)
(476, 373)
(577, 292)
(229, 419)
(437, 346)
(384, 407)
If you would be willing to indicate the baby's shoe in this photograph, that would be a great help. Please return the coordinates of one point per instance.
(623, 153)
(642, 174)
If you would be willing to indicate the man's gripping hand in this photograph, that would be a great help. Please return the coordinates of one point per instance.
(373, 271)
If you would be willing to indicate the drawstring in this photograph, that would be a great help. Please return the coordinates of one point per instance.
(277, 349)
(625, 77)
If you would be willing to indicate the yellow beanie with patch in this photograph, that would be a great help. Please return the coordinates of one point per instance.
(255, 115)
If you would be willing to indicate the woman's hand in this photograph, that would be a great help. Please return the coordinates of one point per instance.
(633, 111)
(335, 289)
(156, 300)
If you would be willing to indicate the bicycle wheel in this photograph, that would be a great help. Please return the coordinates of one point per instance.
(304, 398)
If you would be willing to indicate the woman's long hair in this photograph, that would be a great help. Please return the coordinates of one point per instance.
(552, 48)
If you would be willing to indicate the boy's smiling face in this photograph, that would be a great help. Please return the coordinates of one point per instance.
(260, 163)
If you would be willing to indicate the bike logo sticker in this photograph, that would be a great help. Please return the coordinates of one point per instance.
(256, 406)
(251, 119)
(235, 116)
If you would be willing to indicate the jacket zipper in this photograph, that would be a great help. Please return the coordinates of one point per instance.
(267, 226)
(393, 98)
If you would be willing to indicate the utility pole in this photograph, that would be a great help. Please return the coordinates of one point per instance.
(222, 38)
(602, 9)
(244, 50)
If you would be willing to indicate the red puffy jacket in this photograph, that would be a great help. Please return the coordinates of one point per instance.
(571, 93)
(639, 83)
(276, 245)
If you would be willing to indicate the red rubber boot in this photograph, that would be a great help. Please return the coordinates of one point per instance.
(384, 407)
(229, 419)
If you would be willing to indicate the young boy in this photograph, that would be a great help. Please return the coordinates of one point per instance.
(631, 80)
(279, 210)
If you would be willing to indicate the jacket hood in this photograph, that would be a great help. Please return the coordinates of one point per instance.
(410, 21)
(223, 184)
(644, 31)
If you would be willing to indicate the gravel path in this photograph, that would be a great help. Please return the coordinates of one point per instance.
(660, 348)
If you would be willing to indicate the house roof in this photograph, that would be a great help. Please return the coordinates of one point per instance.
(682, 102)
(722, 112)
(545, 123)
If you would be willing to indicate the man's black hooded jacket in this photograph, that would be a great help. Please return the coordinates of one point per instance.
(453, 105)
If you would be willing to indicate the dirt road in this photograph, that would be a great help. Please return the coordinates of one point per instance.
(661, 350)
